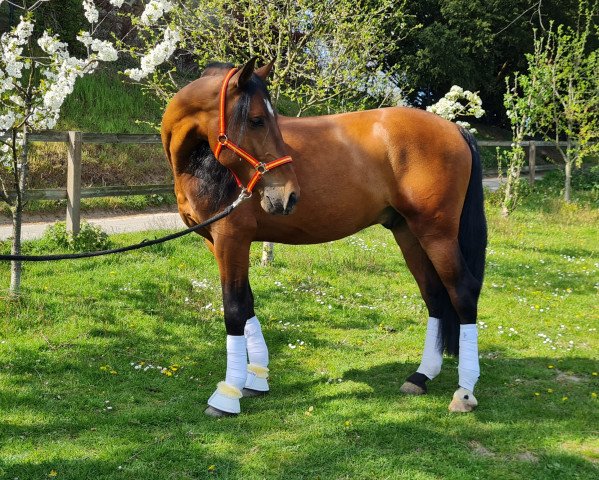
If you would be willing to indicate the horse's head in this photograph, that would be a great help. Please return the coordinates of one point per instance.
(246, 123)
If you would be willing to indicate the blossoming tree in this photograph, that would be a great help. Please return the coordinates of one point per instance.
(521, 104)
(566, 64)
(459, 103)
(36, 76)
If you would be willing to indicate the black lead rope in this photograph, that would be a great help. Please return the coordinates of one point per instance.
(137, 246)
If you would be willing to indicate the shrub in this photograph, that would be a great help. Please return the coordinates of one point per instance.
(89, 238)
(583, 180)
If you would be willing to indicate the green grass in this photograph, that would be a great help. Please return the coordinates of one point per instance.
(73, 404)
(104, 102)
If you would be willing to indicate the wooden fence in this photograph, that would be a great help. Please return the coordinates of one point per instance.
(73, 192)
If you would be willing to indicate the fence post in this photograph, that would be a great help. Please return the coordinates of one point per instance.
(74, 182)
(532, 160)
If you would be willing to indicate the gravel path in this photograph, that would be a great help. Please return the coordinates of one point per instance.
(117, 224)
(34, 228)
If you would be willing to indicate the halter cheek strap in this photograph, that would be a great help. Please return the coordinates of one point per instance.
(223, 141)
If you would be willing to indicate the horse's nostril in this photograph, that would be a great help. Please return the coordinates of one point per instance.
(291, 202)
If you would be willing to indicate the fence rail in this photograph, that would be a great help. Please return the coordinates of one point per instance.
(73, 192)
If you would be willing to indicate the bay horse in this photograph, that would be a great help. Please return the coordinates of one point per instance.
(408, 170)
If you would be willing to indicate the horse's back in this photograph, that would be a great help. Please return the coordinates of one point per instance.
(412, 160)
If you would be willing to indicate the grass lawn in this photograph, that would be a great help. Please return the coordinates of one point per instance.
(82, 394)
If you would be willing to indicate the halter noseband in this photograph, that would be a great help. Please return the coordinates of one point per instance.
(223, 141)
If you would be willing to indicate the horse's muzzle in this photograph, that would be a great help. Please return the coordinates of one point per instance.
(279, 205)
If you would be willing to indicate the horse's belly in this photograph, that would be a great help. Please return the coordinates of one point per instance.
(315, 228)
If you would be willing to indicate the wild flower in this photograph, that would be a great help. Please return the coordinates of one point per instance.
(200, 284)
(109, 369)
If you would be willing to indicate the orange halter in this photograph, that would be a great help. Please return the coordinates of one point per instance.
(223, 141)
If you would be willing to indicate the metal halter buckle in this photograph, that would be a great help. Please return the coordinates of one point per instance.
(222, 138)
(261, 168)
(243, 195)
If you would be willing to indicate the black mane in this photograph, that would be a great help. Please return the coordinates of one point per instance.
(216, 182)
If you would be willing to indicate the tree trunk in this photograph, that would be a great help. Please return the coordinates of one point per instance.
(16, 267)
(569, 162)
(268, 253)
(17, 217)
(568, 185)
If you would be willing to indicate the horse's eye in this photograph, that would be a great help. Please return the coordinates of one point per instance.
(257, 122)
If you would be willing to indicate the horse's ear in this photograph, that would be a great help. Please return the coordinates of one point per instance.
(264, 71)
(244, 74)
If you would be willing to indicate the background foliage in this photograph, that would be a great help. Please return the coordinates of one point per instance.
(474, 44)
(471, 43)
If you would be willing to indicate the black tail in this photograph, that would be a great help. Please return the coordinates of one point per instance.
(473, 243)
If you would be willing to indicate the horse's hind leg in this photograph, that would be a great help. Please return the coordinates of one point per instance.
(435, 297)
(463, 289)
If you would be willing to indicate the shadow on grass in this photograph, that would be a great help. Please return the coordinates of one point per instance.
(155, 427)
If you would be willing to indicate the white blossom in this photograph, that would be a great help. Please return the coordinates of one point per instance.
(105, 50)
(117, 3)
(85, 38)
(156, 56)
(7, 121)
(90, 11)
(23, 31)
(11, 49)
(457, 103)
(51, 45)
(14, 69)
(154, 11)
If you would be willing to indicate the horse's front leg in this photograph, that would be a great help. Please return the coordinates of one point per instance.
(243, 331)
(257, 371)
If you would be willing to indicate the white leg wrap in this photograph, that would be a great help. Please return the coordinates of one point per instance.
(432, 356)
(257, 350)
(468, 368)
(227, 394)
(257, 370)
(236, 361)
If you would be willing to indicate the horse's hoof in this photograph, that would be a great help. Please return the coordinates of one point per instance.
(463, 401)
(248, 392)
(410, 388)
(216, 413)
